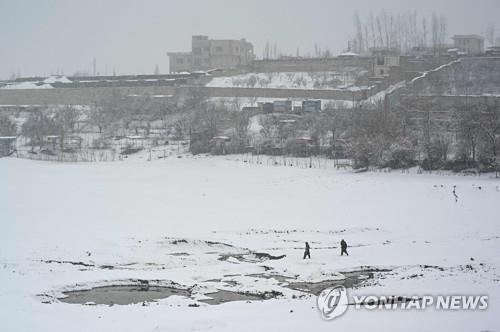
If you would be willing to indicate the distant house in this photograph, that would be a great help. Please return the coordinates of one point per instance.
(471, 44)
(55, 142)
(282, 106)
(251, 108)
(304, 140)
(7, 145)
(348, 55)
(135, 141)
(51, 142)
(493, 51)
(221, 139)
(311, 106)
(385, 59)
(267, 107)
(220, 144)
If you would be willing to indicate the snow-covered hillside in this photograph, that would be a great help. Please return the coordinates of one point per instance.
(30, 85)
(189, 220)
(288, 80)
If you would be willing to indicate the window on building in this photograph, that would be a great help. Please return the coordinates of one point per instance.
(180, 61)
(197, 50)
(218, 49)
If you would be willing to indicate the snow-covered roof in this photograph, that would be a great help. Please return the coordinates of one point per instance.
(162, 96)
(57, 79)
(27, 85)
(349, 54)
(222, 137)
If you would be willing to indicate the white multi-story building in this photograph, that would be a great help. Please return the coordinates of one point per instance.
(471, 44)
(209, 54)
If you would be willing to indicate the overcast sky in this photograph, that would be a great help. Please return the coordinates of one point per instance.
(39, 37)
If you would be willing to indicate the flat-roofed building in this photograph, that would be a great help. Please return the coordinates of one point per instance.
(209, 54)
(471, 44)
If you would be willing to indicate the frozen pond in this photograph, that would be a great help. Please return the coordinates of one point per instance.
(121, 295)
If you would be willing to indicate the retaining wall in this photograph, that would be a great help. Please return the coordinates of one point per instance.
(91, 95)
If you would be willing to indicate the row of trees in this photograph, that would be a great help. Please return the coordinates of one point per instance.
(400, 31)
(462, 136)
(116, 113)
(41, 123)
(467, 136)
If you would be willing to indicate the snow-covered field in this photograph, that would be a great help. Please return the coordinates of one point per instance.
(190, 220)
(288, 80)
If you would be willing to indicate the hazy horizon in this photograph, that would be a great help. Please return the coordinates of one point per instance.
(132, 37)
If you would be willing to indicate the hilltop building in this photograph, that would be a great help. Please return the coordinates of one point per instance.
(471, 44)
(209, 54)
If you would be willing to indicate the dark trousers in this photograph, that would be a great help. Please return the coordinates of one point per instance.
(344, 251)
(307, 254)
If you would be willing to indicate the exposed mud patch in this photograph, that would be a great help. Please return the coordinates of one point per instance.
(352, 279)
(256, 257)
(121, 295)
(179, 254)
(52, 261)
(278, 277)
(224, 296)
(135, 291)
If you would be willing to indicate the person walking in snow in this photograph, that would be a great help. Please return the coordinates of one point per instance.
(343, 247)
(307, 252)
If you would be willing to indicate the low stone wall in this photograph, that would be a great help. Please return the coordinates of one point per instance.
(312, 65)
(88, 96)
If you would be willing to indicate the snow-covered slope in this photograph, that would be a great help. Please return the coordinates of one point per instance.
(287, 80)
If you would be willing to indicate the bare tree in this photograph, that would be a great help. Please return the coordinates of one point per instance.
(435, 31)
(401, 31)
(468, 130)
(489, 124)
(490, 34)
(37, 126)
(424, 33)
(360, 42)
(268, 124)
(68, 117)
(7, 126)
